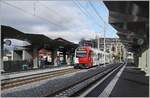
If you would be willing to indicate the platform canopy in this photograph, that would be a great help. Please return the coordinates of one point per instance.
(39, 41)
(131, 20)
(9, 32)
(36, 40)
(67, 45)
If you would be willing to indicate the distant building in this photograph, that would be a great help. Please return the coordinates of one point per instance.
(111, 43)
(113, 46)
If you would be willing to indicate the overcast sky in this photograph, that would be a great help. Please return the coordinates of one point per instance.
(57, 18)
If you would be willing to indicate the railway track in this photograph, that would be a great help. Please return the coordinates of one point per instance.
(81, 86)
(10, 83)
(97, 87)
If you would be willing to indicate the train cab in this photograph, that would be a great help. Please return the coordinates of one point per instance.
(83, 57)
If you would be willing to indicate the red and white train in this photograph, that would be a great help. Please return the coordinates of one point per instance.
(86, 57)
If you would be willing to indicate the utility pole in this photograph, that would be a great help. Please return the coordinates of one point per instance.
(104, 46)
(97, 42)
(1, 43)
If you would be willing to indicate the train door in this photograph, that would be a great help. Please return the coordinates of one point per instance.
(93, 56)
(96, 58)
(90, 58)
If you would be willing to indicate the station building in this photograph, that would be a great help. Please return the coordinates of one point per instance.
(41, 52)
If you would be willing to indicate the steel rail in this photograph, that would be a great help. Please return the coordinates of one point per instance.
(98, 82)
(63, 90)
(33, 78)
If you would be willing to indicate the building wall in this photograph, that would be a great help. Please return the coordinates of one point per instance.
(16, 55)
(35, 58)
(26, 55)
(144, 61)
(109, 43)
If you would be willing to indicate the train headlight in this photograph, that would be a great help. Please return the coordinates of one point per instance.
(76, 60)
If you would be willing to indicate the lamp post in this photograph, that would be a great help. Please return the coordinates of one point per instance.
(98, 42)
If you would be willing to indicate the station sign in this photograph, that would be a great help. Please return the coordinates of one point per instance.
(7, 42)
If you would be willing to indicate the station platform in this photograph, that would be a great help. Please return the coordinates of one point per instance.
(33, 71)
(132, 83)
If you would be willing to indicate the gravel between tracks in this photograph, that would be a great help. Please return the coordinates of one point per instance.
(49, 86)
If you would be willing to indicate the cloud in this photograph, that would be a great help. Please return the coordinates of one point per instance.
(51, 18)
(75, 36)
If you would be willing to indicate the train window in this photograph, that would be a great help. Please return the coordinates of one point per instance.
(81, 54)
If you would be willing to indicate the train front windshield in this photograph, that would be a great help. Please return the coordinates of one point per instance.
(81, 54)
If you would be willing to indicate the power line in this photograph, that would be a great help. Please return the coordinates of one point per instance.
(79, 6)
(85, 12)
(101, 17)
(33, 14)
(46, 7)
(97, 13)
(104, 29)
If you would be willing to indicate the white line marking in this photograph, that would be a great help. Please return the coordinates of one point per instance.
(95, 85)
(107, 91)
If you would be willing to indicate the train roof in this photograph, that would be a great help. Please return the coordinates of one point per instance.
(93, 49)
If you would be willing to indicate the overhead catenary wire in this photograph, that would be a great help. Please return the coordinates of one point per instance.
(104, 28)
(100, 17)
(100, 26)
(84, 11)
(32, 14)
(45, 19)
(89, 14)
(97, 13)
(55, 12)
(49, 9)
